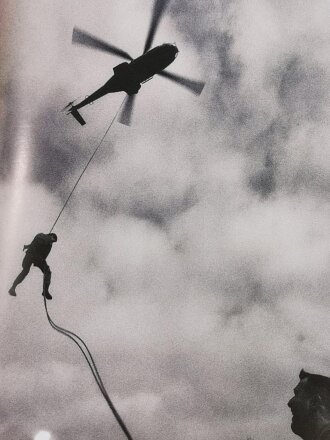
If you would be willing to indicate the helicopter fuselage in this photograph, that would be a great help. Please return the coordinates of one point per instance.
(129, 76)
(153, 61)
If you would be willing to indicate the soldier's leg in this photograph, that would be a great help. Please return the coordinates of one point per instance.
(26, 264)
(43, 266)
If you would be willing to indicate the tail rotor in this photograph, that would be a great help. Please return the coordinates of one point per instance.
(70, 109)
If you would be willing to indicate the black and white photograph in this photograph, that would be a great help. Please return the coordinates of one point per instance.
(165, 219)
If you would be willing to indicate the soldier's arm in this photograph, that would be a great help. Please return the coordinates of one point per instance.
(36, 238)
(47, 238)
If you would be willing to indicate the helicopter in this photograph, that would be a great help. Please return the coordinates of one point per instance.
(128, 77)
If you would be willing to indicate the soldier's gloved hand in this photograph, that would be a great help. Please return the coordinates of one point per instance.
(25, 247)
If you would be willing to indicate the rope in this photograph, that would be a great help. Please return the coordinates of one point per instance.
(91, 363)
(75, 338)
(85, 167)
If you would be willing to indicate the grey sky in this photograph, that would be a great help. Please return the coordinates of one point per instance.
(193, 257)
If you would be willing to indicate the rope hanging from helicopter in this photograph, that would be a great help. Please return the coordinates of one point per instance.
(75, 338)
(86, 166)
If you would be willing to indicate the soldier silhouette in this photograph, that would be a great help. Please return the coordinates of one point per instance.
(36, 255)
(310, 407)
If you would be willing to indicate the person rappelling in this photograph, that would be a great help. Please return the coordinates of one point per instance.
(36, 253)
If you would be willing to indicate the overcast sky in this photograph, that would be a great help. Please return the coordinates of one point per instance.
(193, 257)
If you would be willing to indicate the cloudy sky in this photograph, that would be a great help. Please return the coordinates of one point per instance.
(193, 257)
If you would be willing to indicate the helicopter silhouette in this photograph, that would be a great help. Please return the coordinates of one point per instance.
(128, 77)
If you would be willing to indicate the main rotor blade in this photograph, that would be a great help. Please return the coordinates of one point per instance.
(194, 86)
(125, 116)
(88, 40)
(158, 10)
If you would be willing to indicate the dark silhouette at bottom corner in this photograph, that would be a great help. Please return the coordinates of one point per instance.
(310, 407)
